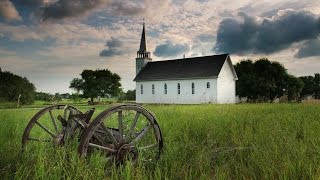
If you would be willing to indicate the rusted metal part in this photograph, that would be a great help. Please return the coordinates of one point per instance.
(126, 132)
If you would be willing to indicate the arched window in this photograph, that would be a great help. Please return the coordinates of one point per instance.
(152, 88)
(178, 87)
(208, 85)
(165, 88)
(141, 87)
(192, 88)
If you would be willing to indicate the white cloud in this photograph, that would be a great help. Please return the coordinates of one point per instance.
(20, 32)
(8, 11)
(76, 45)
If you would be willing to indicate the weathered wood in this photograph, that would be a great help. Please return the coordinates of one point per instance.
(114, 142)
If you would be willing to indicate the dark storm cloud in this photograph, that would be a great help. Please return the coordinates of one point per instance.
(264, 35)
(114, 48)
(29, 3)
(70, 8)
(309, 49)
(73, 8)
(60, 9)
(169, 49)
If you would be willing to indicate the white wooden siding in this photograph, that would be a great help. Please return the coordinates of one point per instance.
(202, 93)
(226, 84)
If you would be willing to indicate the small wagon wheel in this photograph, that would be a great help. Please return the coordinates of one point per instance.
(51, 125)
(121, 133)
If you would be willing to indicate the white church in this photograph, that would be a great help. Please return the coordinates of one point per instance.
(196, 80)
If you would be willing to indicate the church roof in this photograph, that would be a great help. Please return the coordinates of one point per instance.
(188, 68)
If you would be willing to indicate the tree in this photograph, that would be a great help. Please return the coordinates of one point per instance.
(57, 97)
(246, 79)
(13, 86)
(294, 87)
(131, 95)
(43, 96)
(96, 83)
(311, 86)
(261, 80)
(308, 87)
(316, 81)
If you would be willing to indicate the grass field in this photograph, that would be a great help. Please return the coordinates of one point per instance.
(245, 141)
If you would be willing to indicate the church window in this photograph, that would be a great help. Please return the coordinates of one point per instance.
(178, 86)
(192, 88)
(208, 85)
(141, 87)
(152, 88)
(165, 88)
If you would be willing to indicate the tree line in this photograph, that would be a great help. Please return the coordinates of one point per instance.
(15, 88)
(258, 81)
(93, 83)
(264, 81)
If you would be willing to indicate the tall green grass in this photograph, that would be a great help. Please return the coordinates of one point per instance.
(247, 141)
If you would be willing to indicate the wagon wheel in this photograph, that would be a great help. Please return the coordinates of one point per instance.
(51, 125)
(122, 133)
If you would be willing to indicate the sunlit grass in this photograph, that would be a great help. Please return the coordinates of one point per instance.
(247, 141)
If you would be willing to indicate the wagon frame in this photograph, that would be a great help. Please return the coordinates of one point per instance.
(121, 142)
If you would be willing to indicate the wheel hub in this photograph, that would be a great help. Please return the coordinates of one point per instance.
(58, 140)
(127, 152)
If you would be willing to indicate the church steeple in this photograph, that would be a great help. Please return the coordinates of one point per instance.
(143, 43)
(143, 53)
(143, 56)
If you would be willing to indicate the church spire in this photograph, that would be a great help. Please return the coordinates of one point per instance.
(143, 43)
(143, 53)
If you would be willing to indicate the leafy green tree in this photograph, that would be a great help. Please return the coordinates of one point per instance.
(261, 80)
(96, 83)
(316, 81)
(294, 87)
(246, 82)
(131, 95)
(65, 96)
(57, 97)
(308, 87)
(43, 96)
(76, 97)
(12, 86)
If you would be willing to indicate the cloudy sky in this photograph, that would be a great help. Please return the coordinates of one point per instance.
(51, 41)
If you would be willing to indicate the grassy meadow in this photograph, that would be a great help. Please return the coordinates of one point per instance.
(244, 141)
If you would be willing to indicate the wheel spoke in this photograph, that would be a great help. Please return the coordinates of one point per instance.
(98, 137)
(109, 134)
(142, 133)
(53, 121)
(45, 129)
(133, 125)
(120, 127)
(65, 112)
(149, 146)
(38, 139)
(102, 147)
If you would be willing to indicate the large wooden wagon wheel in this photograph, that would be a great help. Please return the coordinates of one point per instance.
(122, 133)
(52, 124)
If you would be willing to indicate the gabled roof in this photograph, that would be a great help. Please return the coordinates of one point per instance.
(188, 68)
